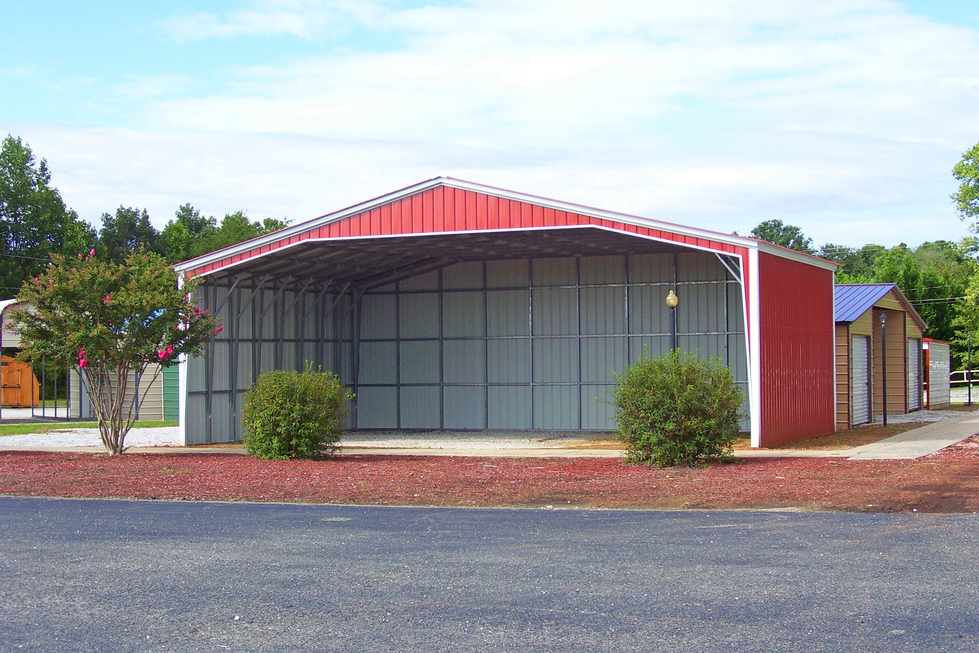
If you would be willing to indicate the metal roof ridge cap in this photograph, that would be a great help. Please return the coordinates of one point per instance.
(308, 225)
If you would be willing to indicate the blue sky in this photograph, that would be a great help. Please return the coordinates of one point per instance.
(843, 118)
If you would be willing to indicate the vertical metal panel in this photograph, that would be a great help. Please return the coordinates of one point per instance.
(737, 357)
(650, 268)
(377, 408)
(463, 276)
(648, 347)
(462, 315)
(556, 407)
(220, 429)
(377, 317)
(509, 361)
(735, 318)
(508, 274)
(706, 346)
(595, 270)
(288, 308)
(507, 313)
(196, 419)
(648, 313)
(555, 360)
(196, 378)
(860, 380)
(914, 374)
(702, 307)
(219, 354)
(597, 411)
(419, 315)
(602, 359)
(463, 361)
(797, 350)
(346, 369)
(465, 407)
(602, 310)
(420, 407)
(509, 407)
(554, 272)
(555, 311)
(420, 362)
(427, 281)
(378, 363)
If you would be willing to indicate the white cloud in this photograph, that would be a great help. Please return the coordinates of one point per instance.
(300, 18)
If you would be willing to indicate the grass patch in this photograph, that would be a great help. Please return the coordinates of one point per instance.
(44, 427)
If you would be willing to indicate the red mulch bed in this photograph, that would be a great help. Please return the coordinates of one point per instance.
(944, 482)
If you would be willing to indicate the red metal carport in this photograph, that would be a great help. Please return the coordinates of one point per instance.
(786, 297)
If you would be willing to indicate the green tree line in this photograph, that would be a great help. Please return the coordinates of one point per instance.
(35, 223)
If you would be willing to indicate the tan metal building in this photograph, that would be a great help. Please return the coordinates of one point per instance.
(860, 361)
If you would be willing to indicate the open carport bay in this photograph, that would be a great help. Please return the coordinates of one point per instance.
(146, 576)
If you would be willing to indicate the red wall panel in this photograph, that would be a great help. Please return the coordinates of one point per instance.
(797, 350)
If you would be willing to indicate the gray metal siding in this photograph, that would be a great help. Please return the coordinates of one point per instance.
(465, 407)
(420, 407)
(509, 407)
(502, 345)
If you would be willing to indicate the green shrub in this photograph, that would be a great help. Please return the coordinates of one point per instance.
(677, 410)
(294, 414)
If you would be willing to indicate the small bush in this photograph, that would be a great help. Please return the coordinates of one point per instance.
(677, 410)
(294, 414)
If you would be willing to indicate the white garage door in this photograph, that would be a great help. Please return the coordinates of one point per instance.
(914, 374)
(860, 378)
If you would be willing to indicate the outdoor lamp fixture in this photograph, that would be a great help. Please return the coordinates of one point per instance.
(672, 301)
(883, 362)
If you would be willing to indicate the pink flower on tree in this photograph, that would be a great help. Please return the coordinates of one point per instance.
(108, 298)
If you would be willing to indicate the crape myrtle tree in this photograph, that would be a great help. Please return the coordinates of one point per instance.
(109, 321)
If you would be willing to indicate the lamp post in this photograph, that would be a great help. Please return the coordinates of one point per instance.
(883, 362)
(672, 301)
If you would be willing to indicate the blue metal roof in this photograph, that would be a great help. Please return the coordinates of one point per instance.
(854, 299)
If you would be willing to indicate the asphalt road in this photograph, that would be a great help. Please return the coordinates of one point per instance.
(83, 575)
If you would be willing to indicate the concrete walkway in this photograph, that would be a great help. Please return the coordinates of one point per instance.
(909, 445)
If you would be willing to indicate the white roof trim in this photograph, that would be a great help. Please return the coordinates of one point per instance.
(315, 223)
